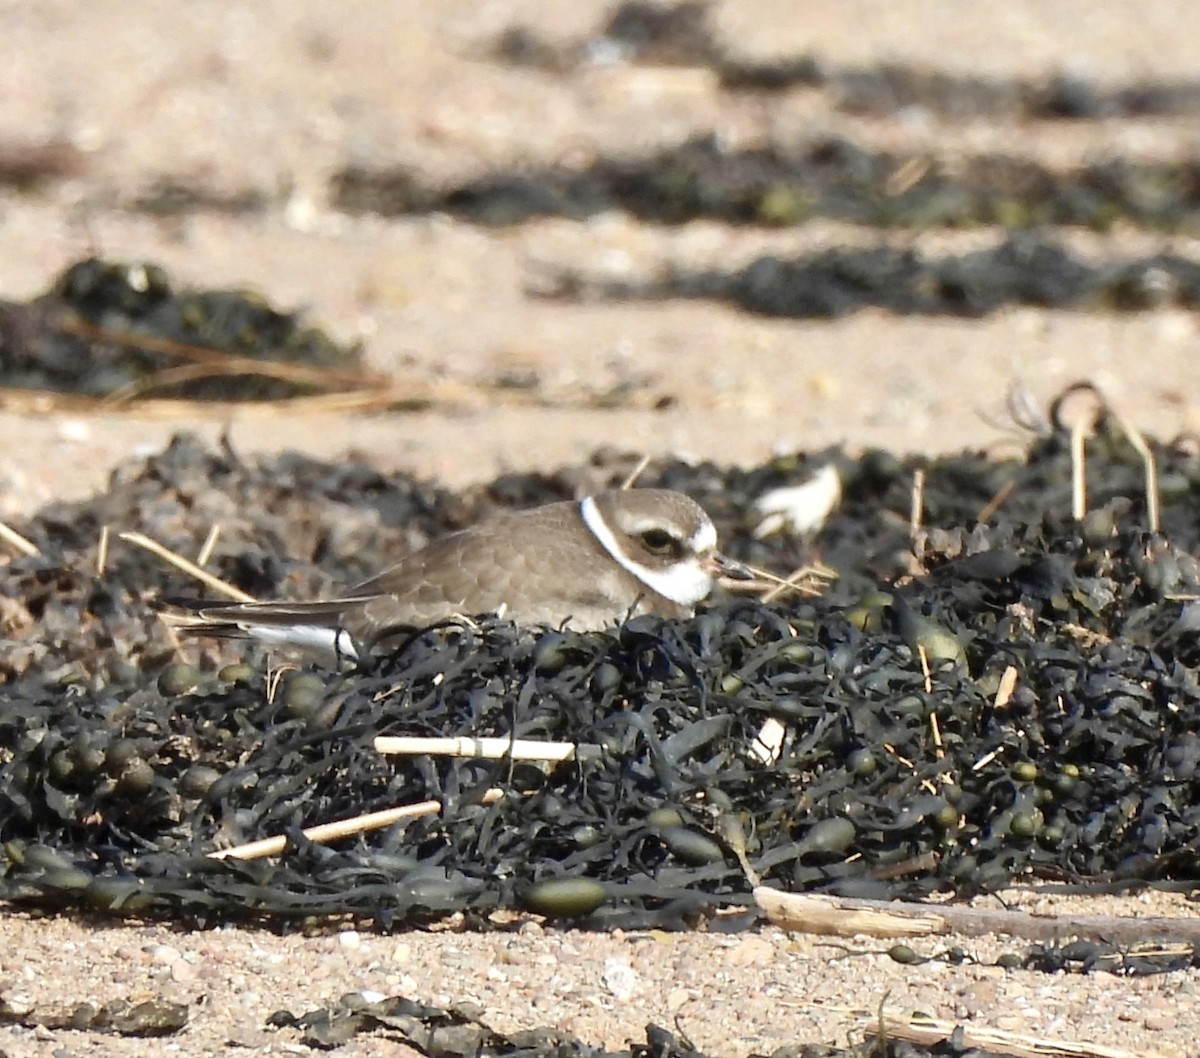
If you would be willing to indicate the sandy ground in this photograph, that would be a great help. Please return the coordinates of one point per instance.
(276, 96)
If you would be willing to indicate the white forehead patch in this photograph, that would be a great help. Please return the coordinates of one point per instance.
(704, 539)
(684, 583)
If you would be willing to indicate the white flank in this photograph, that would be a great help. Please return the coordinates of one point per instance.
(684, 583)
(306, 637)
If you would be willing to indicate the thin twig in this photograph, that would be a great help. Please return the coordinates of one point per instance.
(190, 568)
(636, 472)
(923, 654)
(209, 545)
(936, 729)
(903, 760)
(10, 536)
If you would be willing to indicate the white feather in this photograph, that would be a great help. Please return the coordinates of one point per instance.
(800, 509)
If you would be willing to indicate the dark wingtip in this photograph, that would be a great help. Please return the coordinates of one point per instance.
(190, 617)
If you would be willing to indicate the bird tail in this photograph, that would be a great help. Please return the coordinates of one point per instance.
(308, 625)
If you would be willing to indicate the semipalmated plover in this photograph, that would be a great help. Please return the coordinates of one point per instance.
(582, 564)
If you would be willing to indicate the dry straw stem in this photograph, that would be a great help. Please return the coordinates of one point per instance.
(392, 397)
(190, 568)
(209, 545)
(15, 540)
(997, 501)
(413, 394)
(340, 828)
(337, 388)
(275, 674)
(803, 581)
(1079, 409)
(770, 586)
(486, 748)
(1079, 435)
(842, 917)
(995, 1041)
(219, 362)
(1150, 468)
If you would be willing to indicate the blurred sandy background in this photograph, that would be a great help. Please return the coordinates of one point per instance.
(275, 97)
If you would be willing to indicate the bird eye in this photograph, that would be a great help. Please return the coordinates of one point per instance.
(658, 540)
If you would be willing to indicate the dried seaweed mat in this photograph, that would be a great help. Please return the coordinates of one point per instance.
(977, 703)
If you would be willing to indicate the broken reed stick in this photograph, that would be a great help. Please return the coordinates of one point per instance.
(844, 917)
(324, 833)
(488, 748)
(190, 568)
(14, 539)
(924, 1030)
(829, 916)
(916, 511)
